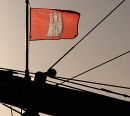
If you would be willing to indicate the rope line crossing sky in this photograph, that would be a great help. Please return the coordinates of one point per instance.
(73, 78)
(88, 33)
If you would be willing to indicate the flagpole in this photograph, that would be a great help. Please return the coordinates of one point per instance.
(27, 77)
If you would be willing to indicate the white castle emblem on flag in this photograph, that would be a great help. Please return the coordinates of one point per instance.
(55, 24)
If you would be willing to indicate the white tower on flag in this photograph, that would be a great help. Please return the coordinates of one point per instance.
(55, 24)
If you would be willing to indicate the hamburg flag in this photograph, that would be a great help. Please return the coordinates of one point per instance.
(53, 24)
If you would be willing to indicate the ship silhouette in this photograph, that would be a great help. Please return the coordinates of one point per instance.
(39, 96)
(34, 93)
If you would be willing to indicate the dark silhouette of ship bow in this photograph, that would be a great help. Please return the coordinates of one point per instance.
(55, 100)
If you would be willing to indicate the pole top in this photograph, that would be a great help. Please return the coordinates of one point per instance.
(27, 2)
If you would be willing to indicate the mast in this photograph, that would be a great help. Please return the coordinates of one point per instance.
(27, 41)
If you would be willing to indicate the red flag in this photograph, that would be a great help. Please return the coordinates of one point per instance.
(53, 24)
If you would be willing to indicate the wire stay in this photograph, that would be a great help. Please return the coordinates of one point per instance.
(95, 67)
(97, 83)
(88, 33)
(66, 85)
(11, 111)
(67, 79)
(12, 108)
(16, 71)
(101, 89)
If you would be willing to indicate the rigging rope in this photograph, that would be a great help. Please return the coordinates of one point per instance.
(21, 111)
(66, 86)
(101, 89)
(67, 79)
(23, 73)
(95, 67)
(16, 71)
(123, 87)
(11, 111)
(88, 33)
(12, 108)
